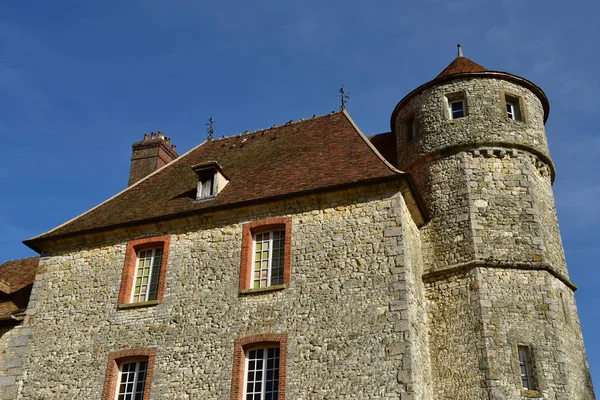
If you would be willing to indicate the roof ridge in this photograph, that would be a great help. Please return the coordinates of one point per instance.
(289, 123)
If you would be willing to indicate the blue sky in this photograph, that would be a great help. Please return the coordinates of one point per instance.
(81, 81)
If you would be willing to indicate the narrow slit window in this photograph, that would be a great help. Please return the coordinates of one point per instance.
(411, 131)
(147, 274)
(525, 368)
(262, 374)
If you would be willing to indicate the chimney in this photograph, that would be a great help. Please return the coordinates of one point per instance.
(150, 154)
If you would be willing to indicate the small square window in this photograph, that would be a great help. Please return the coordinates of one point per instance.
(206, 187)
(457, 109)
(526, 369)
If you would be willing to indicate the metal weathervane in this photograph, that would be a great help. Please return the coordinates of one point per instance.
(211, 128)
(344, 97)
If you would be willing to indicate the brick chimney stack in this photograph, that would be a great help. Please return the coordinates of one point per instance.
(150, 154)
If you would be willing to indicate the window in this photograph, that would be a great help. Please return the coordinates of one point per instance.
(513, 108)
(211, 180)
(411, 129)
(456, 104)
(206, 187)
(145, 284)
(132, 380)
(266, 255)
(129, 374)
(144, 273)
(262, 374)
(259, 367)
(268, 259)
(525, 368)
(457, 109)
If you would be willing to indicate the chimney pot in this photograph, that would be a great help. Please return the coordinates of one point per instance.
(160, 135)
(153, 135)
(167, 140)
(173, 147)
(145, 137)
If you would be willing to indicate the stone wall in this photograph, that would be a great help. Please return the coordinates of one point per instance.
(345, 312)
(479, 317)
(485, 123)
(13, 350)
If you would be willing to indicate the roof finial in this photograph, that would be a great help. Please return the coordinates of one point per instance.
(460, 54)
(344, 97)
(211, 128)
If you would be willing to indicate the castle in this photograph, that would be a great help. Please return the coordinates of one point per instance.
(307, 261)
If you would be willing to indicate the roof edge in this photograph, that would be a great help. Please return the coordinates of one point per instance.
(33, 242)
(472, 75)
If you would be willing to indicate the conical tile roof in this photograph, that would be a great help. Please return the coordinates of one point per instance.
(461, 65)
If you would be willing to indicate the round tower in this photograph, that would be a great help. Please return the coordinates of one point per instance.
(503, 321)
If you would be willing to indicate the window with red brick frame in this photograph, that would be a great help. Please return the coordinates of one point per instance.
(266, 254)
(129, 371)
(144, 272)
(254, 358)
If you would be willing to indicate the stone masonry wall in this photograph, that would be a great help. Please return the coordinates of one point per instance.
(13, 350)
(485, 123)
(344, 311)
(479, 317)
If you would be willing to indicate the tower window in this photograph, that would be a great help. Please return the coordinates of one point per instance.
(456, 104)
(526, 368)
(457, 109)
(410, 127)
(513, 108)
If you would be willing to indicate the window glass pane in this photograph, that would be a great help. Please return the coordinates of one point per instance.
(457, 108)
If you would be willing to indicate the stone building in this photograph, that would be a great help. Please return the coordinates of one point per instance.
(306, 261)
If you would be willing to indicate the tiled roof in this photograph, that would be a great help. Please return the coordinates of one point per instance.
(16, 281)
(314, 154)
(385, 143)
(461, 65)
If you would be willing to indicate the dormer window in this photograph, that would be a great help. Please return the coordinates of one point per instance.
(211, 180)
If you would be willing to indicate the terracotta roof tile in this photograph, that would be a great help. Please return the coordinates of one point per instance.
(461, 65)
(17, 276)
(312, 154)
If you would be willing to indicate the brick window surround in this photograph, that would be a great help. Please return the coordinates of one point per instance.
(244, 344)
(129, 269)
(248, 230)
(111, 378)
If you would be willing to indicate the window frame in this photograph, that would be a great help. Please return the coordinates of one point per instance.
(518, 104)
(526, 363)
(137, 361)
(261, 341)
(264, 370)
(453, 98)
(133, 248)
(270, 258)
(116, 360)
(249, 230)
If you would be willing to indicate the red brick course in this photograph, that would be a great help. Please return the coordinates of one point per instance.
(247, 245)
(131, 251)
(111, 376)
(240, 347)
